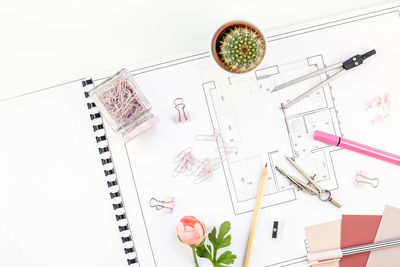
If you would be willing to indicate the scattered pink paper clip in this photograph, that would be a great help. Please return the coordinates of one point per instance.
(182, 154)
(186, 162)
(373, 103)
(202, 170)
(167, 205)
(229, 150)
(209, 137)
(191, 166)
(206, 169)
(361, 178)
(381, 100)
(222, 148)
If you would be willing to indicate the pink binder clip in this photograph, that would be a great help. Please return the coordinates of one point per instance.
(166, 205)
(182, 115)
(388, 101)
(361, 178)
(383, 105)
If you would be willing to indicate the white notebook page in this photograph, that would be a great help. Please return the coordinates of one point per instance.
(55, 205)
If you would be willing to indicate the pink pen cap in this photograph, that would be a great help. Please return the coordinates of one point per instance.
(326, 138)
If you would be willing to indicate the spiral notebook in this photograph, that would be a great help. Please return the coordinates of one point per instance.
(57, 171)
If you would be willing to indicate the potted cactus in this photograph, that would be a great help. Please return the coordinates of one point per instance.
(238, 47)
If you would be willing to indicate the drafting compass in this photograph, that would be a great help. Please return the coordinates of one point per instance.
(349, 64)
(311, 187)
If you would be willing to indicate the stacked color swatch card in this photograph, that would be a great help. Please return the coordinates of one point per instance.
(357, 230)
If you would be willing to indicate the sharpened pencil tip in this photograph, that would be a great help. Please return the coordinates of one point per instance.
(266, 163)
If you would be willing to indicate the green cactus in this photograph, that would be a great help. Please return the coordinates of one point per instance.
(241, 49)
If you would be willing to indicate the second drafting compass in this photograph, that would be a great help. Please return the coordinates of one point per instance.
(352, 62)
(311, 187)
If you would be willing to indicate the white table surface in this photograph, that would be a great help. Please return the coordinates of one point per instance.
(47, 42)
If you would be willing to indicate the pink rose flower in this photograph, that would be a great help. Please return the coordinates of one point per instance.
(191, 231)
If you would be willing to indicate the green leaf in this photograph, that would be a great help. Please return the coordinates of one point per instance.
(226, 258)
(202, 252)
(223, 230)
(209, 248)
(212, 236)
(226, 242)
(223, 241)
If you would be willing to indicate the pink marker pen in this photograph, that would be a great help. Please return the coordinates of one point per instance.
(356, 147)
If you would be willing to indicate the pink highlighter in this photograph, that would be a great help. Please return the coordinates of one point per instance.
(356, 147)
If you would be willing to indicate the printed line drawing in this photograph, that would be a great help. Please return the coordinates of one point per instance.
(246, 113)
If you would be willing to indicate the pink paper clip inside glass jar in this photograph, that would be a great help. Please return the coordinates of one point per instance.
(123, 105)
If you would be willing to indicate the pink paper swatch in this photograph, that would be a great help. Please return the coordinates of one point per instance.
(389, 228)
(358, 230)
(324, 236)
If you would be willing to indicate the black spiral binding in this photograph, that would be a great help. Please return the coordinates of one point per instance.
(111, 177)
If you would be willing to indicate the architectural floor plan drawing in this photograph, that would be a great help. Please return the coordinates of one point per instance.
(249, 116)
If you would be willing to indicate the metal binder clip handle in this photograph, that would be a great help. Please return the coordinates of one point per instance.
(182, 115)
(362, 178)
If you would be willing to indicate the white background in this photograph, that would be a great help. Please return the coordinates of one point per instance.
(47, 42)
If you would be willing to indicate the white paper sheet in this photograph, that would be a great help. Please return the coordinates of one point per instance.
(54, 201)
(242, 108)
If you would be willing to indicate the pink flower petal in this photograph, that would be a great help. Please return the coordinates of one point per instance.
(199, 229)
(187, 237)
(180, 228)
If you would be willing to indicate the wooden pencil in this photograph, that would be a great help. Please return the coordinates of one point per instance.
(256, 213)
